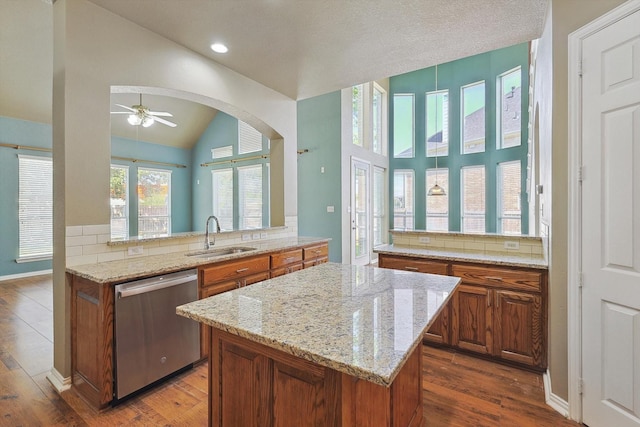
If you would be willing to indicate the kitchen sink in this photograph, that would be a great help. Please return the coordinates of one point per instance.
(207, 253)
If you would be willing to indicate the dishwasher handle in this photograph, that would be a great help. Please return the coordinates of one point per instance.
(154, 286)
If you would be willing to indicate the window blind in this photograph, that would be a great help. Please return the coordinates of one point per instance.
(35, 206)
(223, 197)
(249, 139)
(221, 152)
(250, 196)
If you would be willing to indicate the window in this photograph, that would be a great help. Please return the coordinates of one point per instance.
(403, 122)
(509, 109)
(220, 152)
(378, 115)
(509, 192)
(223, 197)
(438, 206)
(357, 111)
(437, 123)
(249, 139)
(403, 202)
(119, 201)
(473, 112)
(35, 207)
(473, 199)
(154, 202)
(379, 208)
(250, 196)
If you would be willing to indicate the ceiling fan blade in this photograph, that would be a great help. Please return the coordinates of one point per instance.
(126, 108)
(120, 112)
(165, 122)
(160, 113)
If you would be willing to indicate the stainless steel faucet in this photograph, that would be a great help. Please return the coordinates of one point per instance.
(207, 243)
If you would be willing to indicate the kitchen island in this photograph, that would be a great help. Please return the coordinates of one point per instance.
(334, 345)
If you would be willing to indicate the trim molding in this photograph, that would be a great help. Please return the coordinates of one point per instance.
(557, 403)
(23, 275)
(59, 382)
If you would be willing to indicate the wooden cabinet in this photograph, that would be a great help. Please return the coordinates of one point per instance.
(225, 276)
(254, 385)
(314, 255)
(286, 262)
(496, 311)
(92, 340)
(438, 332)
(505, 303)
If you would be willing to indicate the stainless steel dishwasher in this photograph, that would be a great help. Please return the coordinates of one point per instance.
(151, 340)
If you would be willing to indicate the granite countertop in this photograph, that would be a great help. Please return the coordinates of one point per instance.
(361, 320)
(538, 262)
(139, 267)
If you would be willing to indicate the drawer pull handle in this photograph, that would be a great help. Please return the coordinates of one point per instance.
(289, 259)
(242, 270)
(411, 268)
(494, 278)
(317, 251)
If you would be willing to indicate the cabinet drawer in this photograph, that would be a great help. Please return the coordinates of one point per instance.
(413, 264)
(316, 251)
(285, 258)
(498, 277)
(235, 269)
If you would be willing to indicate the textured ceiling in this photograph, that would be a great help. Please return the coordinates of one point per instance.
(301, 48)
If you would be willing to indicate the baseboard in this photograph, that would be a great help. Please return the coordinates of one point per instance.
(59, 382)
(558, 404)
(23, 275)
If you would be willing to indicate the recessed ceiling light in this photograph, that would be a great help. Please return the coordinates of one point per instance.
(219, 48)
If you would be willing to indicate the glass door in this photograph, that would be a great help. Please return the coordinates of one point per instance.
(360, 212)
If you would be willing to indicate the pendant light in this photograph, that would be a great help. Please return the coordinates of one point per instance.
(436, 190)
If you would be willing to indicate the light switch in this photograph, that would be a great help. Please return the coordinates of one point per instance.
(330, 209)
(321, 169)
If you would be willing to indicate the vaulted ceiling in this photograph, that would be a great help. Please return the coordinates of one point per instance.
(301, 48)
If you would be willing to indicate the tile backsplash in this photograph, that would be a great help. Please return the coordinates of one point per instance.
(91, 244)
(525, 246)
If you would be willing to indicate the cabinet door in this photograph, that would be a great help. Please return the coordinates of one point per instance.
(438, 332)
(471, 319)
(518, 327)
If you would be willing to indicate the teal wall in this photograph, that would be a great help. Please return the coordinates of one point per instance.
(18, 132)
(452, 76)
(319, 131)
(180, 178)
(222, 131)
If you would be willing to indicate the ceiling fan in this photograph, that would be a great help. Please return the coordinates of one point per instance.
(141, 115)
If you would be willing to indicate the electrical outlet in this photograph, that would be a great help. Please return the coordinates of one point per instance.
(511, 245)
(135, 250)
(263, 235)
(246, 237)
(424, 239)
(255, 236)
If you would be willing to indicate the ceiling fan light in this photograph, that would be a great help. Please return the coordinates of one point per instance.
(134, 120)
(147, 121)
(436, 190)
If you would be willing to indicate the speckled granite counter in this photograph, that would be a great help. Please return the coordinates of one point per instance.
(537, 262)
(134, 268)
(363, 321)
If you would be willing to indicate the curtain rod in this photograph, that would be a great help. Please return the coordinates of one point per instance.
(243, 159)
(126, 159)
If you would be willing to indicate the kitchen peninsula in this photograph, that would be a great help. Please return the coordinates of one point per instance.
(331, 345)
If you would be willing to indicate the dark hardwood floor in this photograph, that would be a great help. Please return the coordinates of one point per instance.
(460, 390)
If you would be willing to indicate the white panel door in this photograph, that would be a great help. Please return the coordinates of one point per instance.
(611, 225)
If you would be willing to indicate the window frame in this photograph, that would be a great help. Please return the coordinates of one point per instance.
(44, 250)
(500, 215)
(445, 186)
(463, 213)
(413, 124)
(168, 203)
(412, 213)
(500, 96)
(462, 117)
